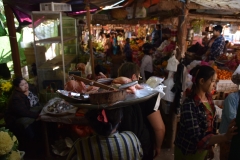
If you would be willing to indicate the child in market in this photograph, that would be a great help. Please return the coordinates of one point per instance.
(107, 143)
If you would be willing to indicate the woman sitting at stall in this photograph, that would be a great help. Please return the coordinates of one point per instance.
(23, 110)
(195, 137)
(107, 143)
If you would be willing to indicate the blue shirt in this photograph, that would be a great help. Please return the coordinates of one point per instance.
(217, 47)
(229, 111)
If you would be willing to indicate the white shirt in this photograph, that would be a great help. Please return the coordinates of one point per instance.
(146, 65)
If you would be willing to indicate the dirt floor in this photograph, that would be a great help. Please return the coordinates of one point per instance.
(166, 154)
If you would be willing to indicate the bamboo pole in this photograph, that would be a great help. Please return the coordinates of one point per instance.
(90, 37)
(13, 40)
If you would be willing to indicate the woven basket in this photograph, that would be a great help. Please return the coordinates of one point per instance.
(107, 97)
(119, 13)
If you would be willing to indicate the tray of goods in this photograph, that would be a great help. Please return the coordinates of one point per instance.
(73, 96)
(106, 81)
(59, 107)
(107, 97)
(224, 74)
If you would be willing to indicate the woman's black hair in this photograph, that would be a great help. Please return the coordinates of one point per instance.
(17, 81)
(198, 72)
(128, 69)
(114, 117)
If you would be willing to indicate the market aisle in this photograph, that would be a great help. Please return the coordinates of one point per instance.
(167, 154)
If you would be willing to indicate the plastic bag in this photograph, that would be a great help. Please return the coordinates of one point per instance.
(153, 81)
(3, 31)
(172, 64)
(169, 95)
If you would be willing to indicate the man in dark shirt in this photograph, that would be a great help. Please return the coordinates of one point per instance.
(157, 36)
(127, 50)
(142, 119)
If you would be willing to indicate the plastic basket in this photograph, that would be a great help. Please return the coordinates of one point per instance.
(55, 7)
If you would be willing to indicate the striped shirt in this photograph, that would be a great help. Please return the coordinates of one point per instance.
(117, 146)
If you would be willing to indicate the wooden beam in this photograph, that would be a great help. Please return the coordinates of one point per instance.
(212, 18)
(90, 37)
(13, 40)
(182, 29)
(170, 5)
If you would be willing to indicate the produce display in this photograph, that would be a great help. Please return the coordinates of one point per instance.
(59, 106)
(223, 74)
(223, 57)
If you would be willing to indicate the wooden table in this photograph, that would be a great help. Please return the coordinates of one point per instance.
(67, 119)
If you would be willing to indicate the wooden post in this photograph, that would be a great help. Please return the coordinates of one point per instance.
(182, 29)
(90, 37)
(13, 40)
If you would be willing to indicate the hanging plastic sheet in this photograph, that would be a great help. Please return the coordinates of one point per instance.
(3, 31)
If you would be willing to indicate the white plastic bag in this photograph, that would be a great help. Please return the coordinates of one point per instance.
(88, 69)
(153, 81)
(169, 95)
(172, 64)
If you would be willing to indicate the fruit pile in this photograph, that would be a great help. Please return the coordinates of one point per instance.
(223, 74)
(223, 57)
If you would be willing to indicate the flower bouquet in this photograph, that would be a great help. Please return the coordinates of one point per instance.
(5, 92)
(8, 146)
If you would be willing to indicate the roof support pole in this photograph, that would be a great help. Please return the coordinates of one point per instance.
(90, 37)
(182, 29)
(13, 40)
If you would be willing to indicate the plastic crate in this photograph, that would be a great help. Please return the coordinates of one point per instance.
(226, 86)
(55, 7)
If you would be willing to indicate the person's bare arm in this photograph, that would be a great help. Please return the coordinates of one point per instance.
(158, 126)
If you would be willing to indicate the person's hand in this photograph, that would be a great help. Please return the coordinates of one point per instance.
(231, 130)
(157, 152)
(38, 118)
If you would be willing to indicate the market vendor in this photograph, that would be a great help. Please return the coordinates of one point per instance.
(142, 119)
(23, 111)
(216, 48)
(127, 50)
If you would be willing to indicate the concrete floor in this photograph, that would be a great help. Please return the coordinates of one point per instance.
(168, 154)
